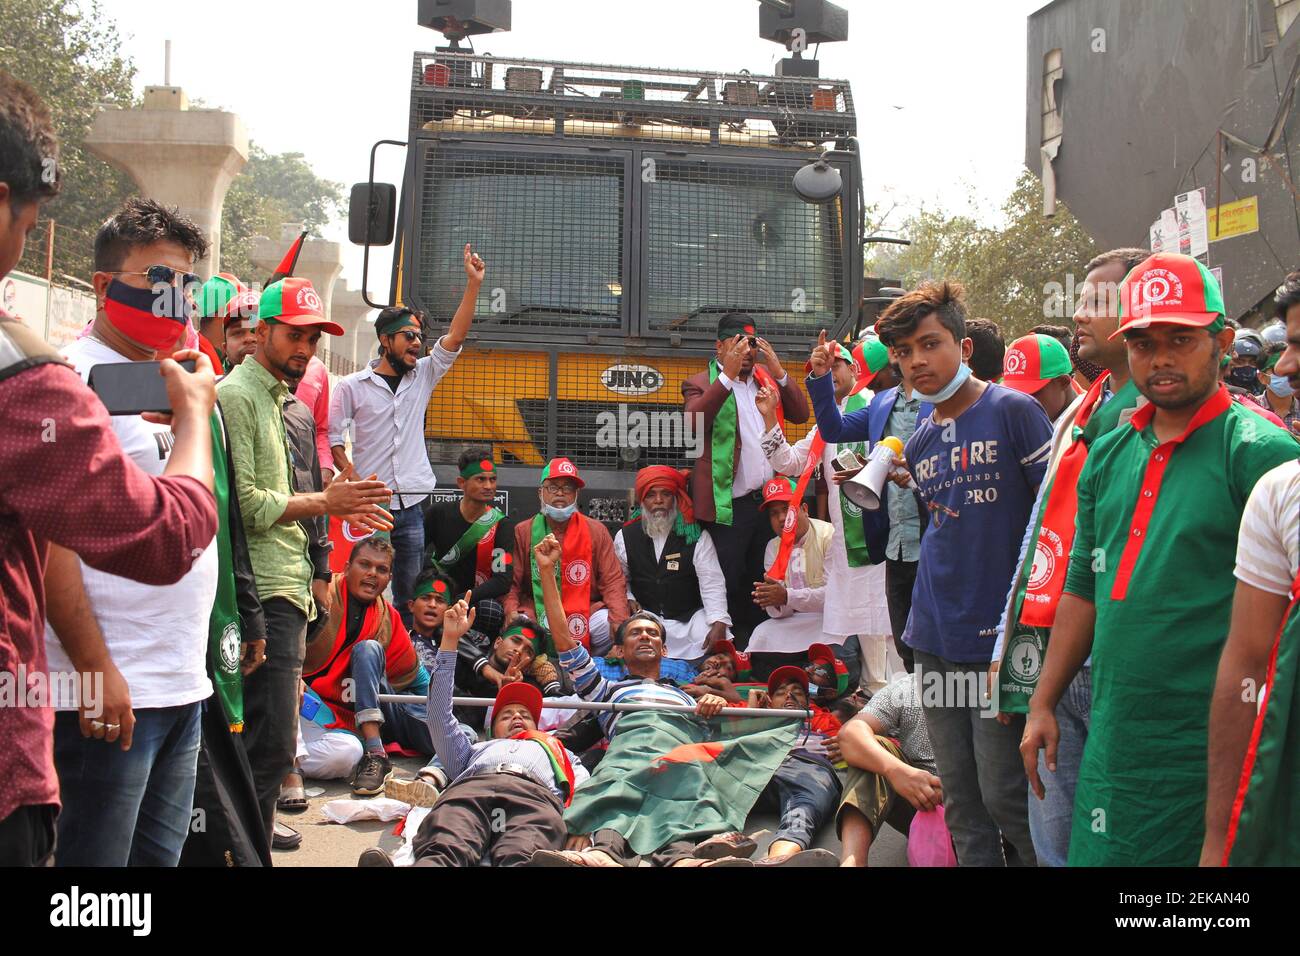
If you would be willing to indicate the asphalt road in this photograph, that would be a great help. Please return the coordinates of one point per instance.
(333, 844)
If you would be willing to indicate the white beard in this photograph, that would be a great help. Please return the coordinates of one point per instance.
(659, 526)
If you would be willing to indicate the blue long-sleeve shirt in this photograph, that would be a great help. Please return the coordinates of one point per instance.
(460, 759)
(592, 685)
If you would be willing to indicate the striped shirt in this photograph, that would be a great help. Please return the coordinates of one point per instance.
(461, 759)
(591, 685)
(1268, 545)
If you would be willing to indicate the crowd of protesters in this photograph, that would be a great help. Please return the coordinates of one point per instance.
(1037, 641)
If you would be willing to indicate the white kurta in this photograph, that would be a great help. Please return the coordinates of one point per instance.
(855, 597)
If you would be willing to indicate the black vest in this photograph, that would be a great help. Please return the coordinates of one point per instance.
(672, 594)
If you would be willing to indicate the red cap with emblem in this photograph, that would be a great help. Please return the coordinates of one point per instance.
(778, 489)
(519, 692)
(1170, 289)
(562, 468)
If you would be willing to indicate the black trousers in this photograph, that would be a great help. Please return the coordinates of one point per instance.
(27, 836)
(613, 844)
(740, 555)
(900, 578)
(501, 816)
(271, 704)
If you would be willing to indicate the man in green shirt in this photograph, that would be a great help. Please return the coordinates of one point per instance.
(252, 397)
(1150, 581)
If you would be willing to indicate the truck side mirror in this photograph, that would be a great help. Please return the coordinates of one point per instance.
(372, 214)
(818, 182)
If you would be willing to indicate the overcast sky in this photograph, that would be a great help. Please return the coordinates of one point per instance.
(938, 84)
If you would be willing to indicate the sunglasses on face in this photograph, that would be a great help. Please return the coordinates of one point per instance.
(410, 334)
(162, 275)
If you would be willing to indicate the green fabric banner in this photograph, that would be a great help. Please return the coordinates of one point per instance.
(725, 424)
(1266, 829)
(1025, 646)
(668, 775)
(855, 535)
(223, 623)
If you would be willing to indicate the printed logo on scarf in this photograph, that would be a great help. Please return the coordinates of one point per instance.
(577, 572)
(577, 625)
(1024, 659)
(356, 532)
(230, 647)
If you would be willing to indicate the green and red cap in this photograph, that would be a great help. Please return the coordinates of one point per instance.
(870, 356)
(243, 309)
(1170, 289)
(820, 655)
(1034, 360)
(216, 293)
(293, 301)
(844, 355)
(727, 646)
(562, 468)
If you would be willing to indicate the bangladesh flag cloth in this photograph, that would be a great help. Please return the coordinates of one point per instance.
(669, 775)
(1263, 829)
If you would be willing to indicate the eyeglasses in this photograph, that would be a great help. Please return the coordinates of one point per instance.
(560, 488)
(161, 275)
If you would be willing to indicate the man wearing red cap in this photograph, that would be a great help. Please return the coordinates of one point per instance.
(853, 588)
(213, 301)
(252, 398)
(590, 575)
(671, 566)
(727, 479)
(795, 603)
(522, 777)
(1148, 591)
(1039, 365)
(1031, 604)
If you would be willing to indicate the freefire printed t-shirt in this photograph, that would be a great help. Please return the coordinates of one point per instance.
(978, 474)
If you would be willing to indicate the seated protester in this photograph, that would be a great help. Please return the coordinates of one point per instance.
(794, 605)
(593, 593)
(892, 773)
(326, 751)
(671, 566)
(517, 655)
(364, 651)
(521, 775)
(642, 638)
(470, 540)
(804, 791)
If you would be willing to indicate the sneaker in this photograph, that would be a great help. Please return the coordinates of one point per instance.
(372, 771)
(419, 792)
(374, 857)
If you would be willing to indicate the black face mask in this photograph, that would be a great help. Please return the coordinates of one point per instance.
(1245, 377)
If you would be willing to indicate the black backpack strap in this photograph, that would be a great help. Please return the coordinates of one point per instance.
(21, 349)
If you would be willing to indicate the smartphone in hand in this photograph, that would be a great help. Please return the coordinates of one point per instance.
(130, 388)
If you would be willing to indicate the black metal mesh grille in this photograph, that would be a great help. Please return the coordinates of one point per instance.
(548, 224)
(471, 93)
(508, 400)
(723, 237)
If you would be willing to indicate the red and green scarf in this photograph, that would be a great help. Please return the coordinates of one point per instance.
(480, 535)
(573, 574)
(725, 426)
(561, 766)
(855, 535)
(1262, 829)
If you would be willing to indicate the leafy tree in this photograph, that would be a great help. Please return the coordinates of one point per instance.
(70, 54)
(1016, 273)
(270, 190)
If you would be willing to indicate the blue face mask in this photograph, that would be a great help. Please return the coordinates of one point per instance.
(949, 390)
(559, 514)
(1280, 386)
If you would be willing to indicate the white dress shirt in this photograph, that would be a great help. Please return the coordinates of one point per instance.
(752, 470)
(387, 428)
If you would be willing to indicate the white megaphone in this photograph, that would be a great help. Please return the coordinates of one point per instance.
(866, 487)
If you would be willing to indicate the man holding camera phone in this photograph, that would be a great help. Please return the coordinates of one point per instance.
(728, 478)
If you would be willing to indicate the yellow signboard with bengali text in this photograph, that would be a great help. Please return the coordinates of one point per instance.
(1238, 218)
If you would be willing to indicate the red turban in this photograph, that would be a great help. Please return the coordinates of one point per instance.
(661, 476)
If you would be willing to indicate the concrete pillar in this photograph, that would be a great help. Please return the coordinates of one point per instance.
(320, 262)
(351, 312)
(178, 156)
